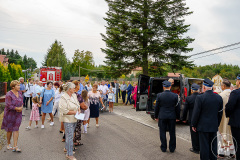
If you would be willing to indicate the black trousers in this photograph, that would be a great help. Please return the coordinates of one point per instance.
(24, 99)
(195, 140)
(171, 124)
(128, 98)
(123, 96)
(26, 102)
(119, 92)
(236, 136)
(208, 145)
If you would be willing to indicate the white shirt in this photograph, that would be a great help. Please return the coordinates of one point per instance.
(30, 90)
(103, 88)
(58, 96)
(38, 89)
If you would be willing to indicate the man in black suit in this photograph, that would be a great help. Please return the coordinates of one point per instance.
(167, 110)
(206, 118)
(233, 112)
(188, 108)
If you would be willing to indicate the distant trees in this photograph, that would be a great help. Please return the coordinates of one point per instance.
(14, 57)
(208, 71)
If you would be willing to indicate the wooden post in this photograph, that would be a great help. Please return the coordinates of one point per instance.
(79, 72)
(5, 88)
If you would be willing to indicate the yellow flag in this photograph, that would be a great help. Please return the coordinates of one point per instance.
(87, 78)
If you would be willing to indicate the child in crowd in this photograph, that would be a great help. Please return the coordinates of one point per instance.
(34, 113)
(87, 111)
(111, 98)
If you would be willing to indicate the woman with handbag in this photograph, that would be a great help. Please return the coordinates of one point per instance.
(68, 107)
(83, 106)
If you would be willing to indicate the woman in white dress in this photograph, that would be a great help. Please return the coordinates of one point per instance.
(87, 111)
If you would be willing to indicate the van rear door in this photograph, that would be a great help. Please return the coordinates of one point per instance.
(142, 92)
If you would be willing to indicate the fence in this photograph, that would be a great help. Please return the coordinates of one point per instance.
(4, 88)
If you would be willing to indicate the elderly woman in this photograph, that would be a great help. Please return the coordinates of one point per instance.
(46, 99)
(13, 114)
(68, 107)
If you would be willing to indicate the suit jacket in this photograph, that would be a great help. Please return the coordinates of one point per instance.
(188, 108)
(207, 112)
(129, 89)
(233, 109)
(167, 106)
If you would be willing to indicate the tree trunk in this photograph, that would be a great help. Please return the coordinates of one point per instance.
(145, 64)
(145, 39)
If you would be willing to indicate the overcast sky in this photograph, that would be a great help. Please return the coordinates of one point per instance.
(31, 26)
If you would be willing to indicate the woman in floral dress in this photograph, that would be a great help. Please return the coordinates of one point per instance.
(13, 114)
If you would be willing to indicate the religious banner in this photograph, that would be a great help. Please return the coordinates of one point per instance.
(217, 79)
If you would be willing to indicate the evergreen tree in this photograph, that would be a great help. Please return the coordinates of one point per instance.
(138, 30)
(56, 56)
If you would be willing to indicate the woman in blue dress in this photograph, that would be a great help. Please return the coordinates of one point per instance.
(46, 99)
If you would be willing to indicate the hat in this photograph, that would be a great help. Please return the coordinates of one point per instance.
(166, 83)
(208, 83)
(238, 77)
(195, 87)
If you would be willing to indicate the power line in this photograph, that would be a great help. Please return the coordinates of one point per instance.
(216, 49)
(217, 53)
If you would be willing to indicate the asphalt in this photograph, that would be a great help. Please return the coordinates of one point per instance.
(117, 138)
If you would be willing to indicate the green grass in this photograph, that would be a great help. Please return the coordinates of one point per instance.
(2, 133)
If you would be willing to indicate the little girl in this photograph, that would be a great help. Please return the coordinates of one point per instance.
(87, 111)
(34, 113)
(111, 98)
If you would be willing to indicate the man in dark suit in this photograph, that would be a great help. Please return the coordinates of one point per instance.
(167, 110)
(233, 112)
(188, 108)
(206, 118)
(129, 92)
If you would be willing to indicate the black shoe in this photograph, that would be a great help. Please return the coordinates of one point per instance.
(163, 150)
(26, 108)
(194, 151)
(172, 151)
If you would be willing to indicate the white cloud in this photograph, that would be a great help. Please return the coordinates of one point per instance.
(32, 26)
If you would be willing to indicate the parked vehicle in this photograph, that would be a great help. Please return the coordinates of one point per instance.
(50, 74)
(149, 87)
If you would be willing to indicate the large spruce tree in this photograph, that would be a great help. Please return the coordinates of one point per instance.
(140, 30)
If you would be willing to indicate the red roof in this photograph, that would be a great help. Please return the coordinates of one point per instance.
(138, 69)
(174, 74)
(3, 58)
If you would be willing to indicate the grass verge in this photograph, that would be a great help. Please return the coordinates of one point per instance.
(2, 133)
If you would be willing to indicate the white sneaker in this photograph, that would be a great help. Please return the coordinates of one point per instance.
(28, 128)
(42, 126)
(52, 123)
(36, 126)
(97, 125)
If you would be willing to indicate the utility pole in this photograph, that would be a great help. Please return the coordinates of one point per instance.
(79, 71)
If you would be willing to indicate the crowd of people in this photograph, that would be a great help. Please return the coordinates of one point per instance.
(213, 118)
(64, 100)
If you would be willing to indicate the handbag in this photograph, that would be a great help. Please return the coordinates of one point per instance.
(110, 97)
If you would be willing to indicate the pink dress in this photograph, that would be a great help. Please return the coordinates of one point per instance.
(35, 113)
(135, 96)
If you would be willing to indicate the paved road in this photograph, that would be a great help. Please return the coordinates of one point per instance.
(117, 138)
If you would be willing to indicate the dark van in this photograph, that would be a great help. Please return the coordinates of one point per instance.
(149, 87)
